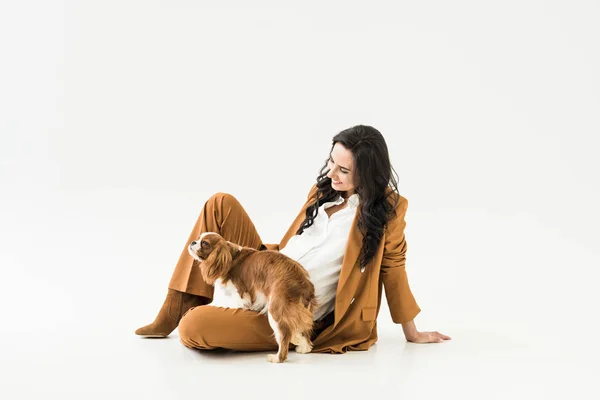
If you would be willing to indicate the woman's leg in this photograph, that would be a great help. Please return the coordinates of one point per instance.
(208, 327)
(222, 213)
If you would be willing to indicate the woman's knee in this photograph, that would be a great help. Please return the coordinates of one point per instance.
(190, 328)
(224, 198)
(221, 202)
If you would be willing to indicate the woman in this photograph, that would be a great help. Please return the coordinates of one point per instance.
(349, 235)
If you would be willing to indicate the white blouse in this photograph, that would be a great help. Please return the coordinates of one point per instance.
(321, 248)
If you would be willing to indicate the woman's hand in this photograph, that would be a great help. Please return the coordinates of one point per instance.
(413, 335)
(427, 337)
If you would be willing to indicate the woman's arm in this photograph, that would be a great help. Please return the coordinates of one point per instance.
(402, 304)
(410, 330)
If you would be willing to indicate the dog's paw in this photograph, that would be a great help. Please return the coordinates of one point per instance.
(273, 358)
(303, 348)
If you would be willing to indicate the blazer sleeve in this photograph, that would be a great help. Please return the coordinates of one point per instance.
(402, 304)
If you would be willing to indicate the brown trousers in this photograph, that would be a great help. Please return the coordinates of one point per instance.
(208, 327)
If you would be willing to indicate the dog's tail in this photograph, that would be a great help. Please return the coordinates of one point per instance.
(310, 302)
(305, 313)
(293, 316)
(310, 305)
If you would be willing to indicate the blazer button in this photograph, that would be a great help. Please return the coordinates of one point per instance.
(362, 269)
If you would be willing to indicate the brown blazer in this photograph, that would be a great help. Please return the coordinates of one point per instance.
(358, 296)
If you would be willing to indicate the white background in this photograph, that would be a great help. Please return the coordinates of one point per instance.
(119, 119)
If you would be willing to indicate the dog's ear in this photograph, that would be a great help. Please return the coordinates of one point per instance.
(223, 255)
(218, 262)
(234, 248)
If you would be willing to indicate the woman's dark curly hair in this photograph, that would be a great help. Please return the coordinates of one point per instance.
(372, 175)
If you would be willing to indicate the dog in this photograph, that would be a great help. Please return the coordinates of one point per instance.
(267, 282)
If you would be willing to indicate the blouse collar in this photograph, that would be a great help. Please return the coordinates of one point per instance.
(353, 201)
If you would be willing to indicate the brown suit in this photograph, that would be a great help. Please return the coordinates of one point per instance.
(358, 295)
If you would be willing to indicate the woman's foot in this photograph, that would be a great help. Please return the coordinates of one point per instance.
(176, 304)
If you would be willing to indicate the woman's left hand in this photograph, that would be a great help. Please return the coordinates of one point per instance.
(428, 337)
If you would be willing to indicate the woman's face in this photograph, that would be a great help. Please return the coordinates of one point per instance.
(341, 169)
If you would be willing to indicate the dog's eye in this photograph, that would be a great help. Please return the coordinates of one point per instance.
(204, 243)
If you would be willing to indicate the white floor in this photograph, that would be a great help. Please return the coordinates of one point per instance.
(81, 286)
(478, 363)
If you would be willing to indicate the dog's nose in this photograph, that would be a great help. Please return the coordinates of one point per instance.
(193, 243)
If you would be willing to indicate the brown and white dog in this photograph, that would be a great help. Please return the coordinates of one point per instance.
(267, 281)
